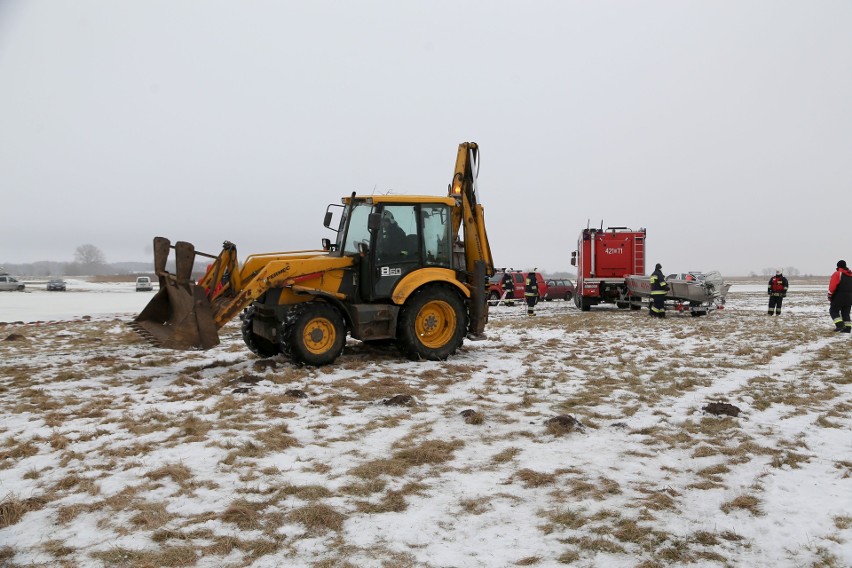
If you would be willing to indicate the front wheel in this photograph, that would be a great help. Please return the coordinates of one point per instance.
(432, 324)
(314, 334)
(256, 344)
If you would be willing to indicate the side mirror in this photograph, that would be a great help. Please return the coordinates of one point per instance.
(374, 221)
(326, 243)
(327, 221)
(574, 258)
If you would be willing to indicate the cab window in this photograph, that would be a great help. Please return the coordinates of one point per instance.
(436, 230)
(357, 231)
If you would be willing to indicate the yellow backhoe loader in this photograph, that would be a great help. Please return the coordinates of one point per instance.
(398, 270)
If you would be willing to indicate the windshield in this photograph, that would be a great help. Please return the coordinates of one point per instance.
(357, 231)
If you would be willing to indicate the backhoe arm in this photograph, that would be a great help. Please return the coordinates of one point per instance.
(471, 213)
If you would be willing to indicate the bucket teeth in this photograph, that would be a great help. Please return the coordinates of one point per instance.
(144, 334)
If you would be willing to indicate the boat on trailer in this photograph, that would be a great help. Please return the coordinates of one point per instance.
(695, 292)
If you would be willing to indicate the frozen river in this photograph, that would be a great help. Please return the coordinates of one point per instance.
(96, 300)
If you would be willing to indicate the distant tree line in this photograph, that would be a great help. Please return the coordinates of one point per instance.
(788, 271)
(89, 260)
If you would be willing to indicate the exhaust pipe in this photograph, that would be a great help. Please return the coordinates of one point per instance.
(179, 316)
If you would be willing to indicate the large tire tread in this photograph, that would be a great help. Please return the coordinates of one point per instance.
(408, 340)
(303, 316)
(258, 345)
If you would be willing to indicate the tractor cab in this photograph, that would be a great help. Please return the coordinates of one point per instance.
(392, 237)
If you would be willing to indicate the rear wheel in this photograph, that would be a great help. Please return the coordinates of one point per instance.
(568, 296)
(583, 303)
(256, 344)
(432, 324)
(313, 334)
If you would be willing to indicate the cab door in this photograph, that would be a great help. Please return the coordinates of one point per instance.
(397, 247)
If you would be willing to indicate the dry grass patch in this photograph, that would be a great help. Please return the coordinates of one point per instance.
(13, 509)
(748, 503)
(149, 516)
(392, 467)
(596, 545)
(713, 472)
(246, 450)
(377, 389)
(583, 489)
(562, 518)
(428, 452)
(303, 492)
(245, 514)
(368, 487)
(318, 518)
(178, 472)
(843, 522)
(532, 478)
(475, 506)
(506, 455)
(277, 438)
(391, 502)
(628, 530)
(13, 452)
(57, 548)
(790, 459)
(169, 556)
(656, 500)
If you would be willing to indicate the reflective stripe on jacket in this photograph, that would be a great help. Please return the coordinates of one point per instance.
(658, 283)
(531, 285)
(777, 286)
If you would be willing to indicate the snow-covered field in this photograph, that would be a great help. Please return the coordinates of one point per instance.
(113, 453)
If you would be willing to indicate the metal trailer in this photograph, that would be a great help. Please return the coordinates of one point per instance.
(705, 292)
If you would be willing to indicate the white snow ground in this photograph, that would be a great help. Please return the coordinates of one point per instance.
(120, 454)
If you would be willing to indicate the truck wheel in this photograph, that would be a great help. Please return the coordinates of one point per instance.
(256, 344)
(314, 334)
(583, 303)
(432, 324)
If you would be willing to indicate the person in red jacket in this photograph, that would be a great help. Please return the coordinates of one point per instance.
(777, 291)
(840, 296)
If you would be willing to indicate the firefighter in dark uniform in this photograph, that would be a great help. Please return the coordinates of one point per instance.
(840, 296)
(659, 289)
(508, 286)
(531, 292)
(777, 291)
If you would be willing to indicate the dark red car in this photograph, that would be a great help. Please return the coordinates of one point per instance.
(559, 289)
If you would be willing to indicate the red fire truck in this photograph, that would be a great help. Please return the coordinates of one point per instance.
(604, 257)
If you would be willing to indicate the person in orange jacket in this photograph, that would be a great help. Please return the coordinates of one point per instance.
(840, 296)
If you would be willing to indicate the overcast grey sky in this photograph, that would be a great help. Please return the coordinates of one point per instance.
(723, 127)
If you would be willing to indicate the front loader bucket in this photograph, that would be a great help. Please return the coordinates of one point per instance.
(179, 315)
